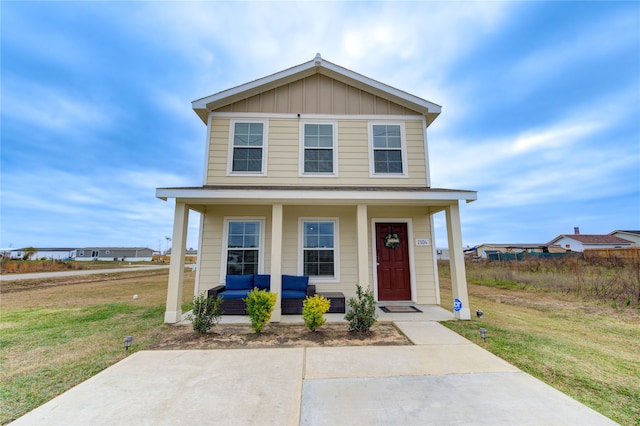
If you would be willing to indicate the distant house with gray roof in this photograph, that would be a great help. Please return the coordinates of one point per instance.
(51, 253)
(132, 254)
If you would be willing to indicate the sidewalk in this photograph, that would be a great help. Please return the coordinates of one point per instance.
(57, 274)
(443, 380)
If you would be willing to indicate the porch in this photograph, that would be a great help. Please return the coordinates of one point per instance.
(357, 216)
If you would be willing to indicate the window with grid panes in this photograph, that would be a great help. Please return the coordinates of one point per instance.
(243, 247)
(387, 149)
(318, 148)
(247, 147)
(318, 248)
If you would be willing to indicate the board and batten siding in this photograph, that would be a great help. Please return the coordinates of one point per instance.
(283, 152)
(317, 94)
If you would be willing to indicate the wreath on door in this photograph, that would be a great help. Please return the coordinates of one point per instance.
(391, 241)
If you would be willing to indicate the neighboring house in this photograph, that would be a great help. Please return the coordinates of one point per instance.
(633, 236)
(51, 253)
(319, 171)
(191, 255)
(579, 242)
(483, 250)
(442, 254)
(132, 254)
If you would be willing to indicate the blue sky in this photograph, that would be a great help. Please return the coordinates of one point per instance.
(541, 106)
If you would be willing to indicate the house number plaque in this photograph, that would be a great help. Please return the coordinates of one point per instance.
(421, 242)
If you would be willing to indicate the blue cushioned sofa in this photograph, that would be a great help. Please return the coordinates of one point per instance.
(294, 290)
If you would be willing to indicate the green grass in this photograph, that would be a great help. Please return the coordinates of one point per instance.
(53, 338)
(56, 337)
(46, 351)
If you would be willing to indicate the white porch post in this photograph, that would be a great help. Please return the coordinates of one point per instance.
(173, 313)
(456, 261)
(363, 246)
(276, 259)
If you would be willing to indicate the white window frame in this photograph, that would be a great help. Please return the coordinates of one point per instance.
(336, 249)
(265, 133)
(225, 242)
(334, 135)
(403, 149)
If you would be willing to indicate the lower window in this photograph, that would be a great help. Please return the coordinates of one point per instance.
(243, 247)
(318, 248)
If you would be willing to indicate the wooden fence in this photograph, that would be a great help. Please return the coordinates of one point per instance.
(627, 254)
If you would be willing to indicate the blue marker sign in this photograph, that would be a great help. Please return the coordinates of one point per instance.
(457, 304)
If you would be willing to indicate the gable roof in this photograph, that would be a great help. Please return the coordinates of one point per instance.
(317, 65)
(624, 232)
(593, 239)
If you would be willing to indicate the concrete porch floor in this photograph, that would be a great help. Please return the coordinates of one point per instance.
(429, 313)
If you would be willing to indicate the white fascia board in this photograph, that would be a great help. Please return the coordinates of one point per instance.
(203, 102)
(430, 106)
(200, 195)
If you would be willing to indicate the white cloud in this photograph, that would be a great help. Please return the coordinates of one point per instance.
(50, 107)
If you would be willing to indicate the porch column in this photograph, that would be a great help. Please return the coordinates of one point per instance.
(173, 313)
(363, 246)
(276, 259)
(456, 261)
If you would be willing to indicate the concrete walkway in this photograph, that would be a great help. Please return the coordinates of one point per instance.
(443, 380)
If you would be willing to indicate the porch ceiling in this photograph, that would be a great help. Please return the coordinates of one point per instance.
(415, 196)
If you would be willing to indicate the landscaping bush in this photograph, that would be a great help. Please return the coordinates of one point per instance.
(260, 304)
(205, 314)
(362, 313)
(313, 310)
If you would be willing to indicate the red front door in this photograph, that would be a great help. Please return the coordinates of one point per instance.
(392, 255)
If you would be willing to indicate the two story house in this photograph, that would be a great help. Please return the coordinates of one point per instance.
(318, 171)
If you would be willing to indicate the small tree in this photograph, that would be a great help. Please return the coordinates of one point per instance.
(205, 314)
(313, 310)
(260, 304)
(29, 252)
(362, 313)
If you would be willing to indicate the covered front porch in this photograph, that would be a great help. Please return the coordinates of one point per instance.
(357, 211)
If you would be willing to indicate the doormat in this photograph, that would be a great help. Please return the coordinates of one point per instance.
(399, 309)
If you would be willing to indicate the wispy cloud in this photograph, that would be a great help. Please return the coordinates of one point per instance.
(540, 105)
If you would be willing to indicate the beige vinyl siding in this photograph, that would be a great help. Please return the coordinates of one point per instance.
(422, 272)
(346, 231)
(317, 94)
(283, 151)
(212, 244)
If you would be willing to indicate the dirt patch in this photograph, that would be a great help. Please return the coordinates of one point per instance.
(236, 336)
(11, 286)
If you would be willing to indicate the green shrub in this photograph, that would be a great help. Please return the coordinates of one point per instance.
(205, 314)
(362, 312)
(313, 310)
(260, 304)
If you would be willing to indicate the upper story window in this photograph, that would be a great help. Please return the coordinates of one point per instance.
(248, 144)
(388, 152)
(318, 151)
